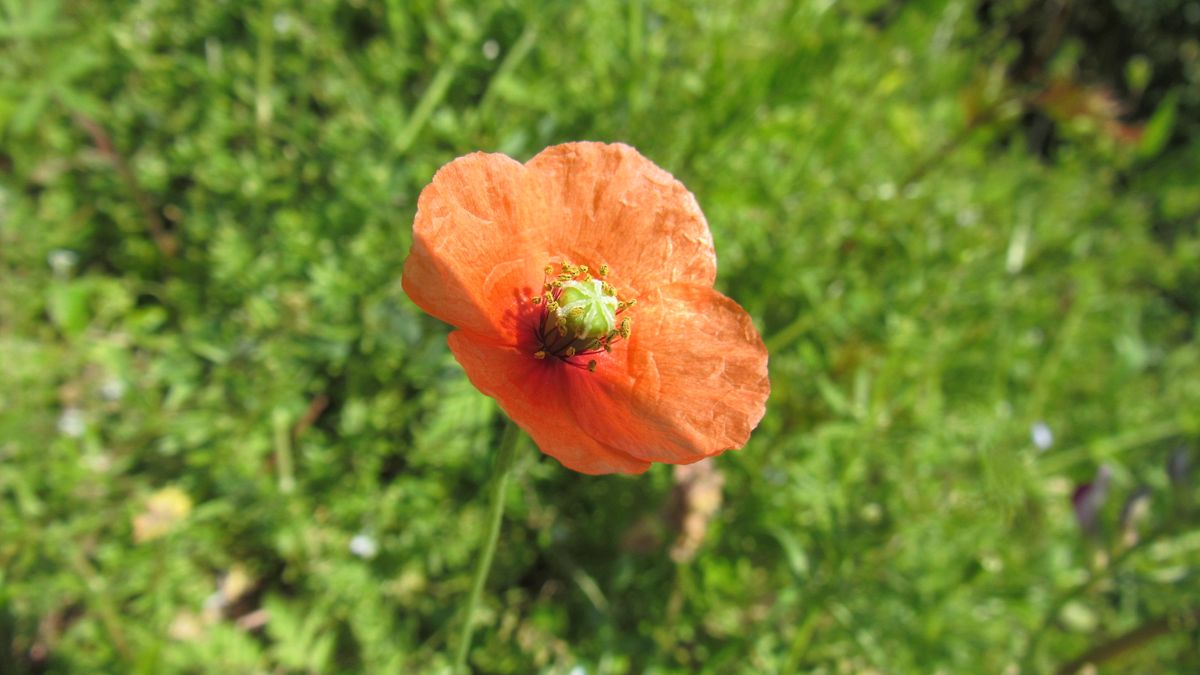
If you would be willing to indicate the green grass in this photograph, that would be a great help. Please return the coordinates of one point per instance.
(226, 194)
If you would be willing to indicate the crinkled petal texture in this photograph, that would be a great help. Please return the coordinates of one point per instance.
(690, 382)
(537, 395)
(487, 225)
(479, 244)
(609, 204)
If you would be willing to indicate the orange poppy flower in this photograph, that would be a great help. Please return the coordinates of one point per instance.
(581, 287)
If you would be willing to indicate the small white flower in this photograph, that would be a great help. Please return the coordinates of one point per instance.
(1042, 437)
(491, 49)
(62, 261)
(364, 546)
(71, 423)
(112, 389)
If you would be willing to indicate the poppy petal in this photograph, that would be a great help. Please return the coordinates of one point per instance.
(478, 244)
(610, 205)
(691, 381)
(534, 394)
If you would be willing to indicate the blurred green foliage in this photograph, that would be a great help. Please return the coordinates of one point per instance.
(204, 210)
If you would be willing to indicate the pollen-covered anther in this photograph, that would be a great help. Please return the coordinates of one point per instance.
(604, 270)
(539, 354)
(626, 328)
(537, 299)
(569, 352)
(592, 366)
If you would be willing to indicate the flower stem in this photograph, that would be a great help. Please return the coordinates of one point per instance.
(505, 456)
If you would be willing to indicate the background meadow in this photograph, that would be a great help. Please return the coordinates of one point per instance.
(969, 231)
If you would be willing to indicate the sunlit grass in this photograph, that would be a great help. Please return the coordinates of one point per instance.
(204, 210)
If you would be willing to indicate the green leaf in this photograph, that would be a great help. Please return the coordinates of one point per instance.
(1158, 130)
(69, 305)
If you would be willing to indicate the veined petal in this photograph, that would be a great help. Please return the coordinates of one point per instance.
(535, 395)
(608, 204)
(479, 244)
(691, 382)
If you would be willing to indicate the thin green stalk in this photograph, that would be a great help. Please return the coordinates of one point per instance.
(434, 93)
(503, 471)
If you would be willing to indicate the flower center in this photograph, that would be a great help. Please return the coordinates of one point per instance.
(580, 314)
(589, 308)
